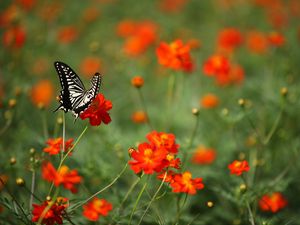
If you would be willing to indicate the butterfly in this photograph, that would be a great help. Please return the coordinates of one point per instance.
(73, 96)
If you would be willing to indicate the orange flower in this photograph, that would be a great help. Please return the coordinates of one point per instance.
(175, 55)
(89, 66)
(42, 93)
(273, 202)
(90, 14)
(204, 156)
(148, 159)
(63, 176)
(67, 34)
(137, 81)
(229, 39)
(10, 14)
(139, 36)
(27, 4)
(194, 43)
(139, 117)
(257, 42)
(97, 112)
(50, 11)
(53, 215)
(185, 184)
(163, 140)
(276, 39)
(238, 167)
(96, 208)
(3, 180)
(55, 145)
(14, 37)
(209, 101)
(216, 65)
(236, 75)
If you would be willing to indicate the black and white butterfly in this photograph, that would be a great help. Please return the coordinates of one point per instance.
(73, 96)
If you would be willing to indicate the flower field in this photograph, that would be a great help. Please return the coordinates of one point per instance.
(149, 112)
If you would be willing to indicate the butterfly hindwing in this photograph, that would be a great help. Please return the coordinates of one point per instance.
(73, 96)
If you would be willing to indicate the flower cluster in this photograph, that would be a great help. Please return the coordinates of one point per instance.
(96, 208)
(97, 112)
(55, 145)
(49, 212)
(138, 36)
(68, 178)
(160, 155)
(175, 55)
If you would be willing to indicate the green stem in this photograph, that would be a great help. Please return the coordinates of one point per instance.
(153, 198)
(32, 189)
(45, 125)
(251, 217)
(179, 208)
(103, 189)
(143, 102)
(138, 199)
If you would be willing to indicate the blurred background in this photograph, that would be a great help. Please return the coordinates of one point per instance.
(119, 39)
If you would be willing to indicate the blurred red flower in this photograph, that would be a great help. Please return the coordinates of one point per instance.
(9, 15)
(276, 39)
(96, 208)
(163, 140)
(97, 112)
(139, 117)
(63, 176)
(172, 5)
(257, 42)
(272, 202)
(204, 156)
(27, 4)
(52, 216)
(229, 39)
(55, 145)
(175, 55)
(137, 81)
(14, 37)
(67, 34)
(238, 167)
(209, 101)
(138, 36)
(89, 66)
(216, 65)
(184, 183)
(42, 93)
(148, 159)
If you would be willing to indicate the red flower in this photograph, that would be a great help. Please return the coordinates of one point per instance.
(209, 101)
(67, 34)
(97, 111)
(50, 217)
(55, 145)
(139, 36)
(184, 183)
(273, 202)
(163, 140)
(257, 42)
(276, 39)
(175, 55)
(229, 39)
(204, 156)
(95, 208)
(168, 177)
(172, 5)
(238, 167)
(63, 176)
(148, 159)
(14, 37)
(216, 65)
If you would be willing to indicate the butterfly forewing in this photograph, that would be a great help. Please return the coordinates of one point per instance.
(74, 96)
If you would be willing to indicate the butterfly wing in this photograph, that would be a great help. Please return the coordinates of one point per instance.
(72, 87)
(89, 95)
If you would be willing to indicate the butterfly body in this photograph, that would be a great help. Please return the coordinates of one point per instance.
(73, 96)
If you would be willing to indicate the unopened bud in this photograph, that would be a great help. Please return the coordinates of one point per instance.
(20, 181)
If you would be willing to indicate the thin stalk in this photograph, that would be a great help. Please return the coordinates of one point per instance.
(63, 136)
(103, 189)
(143, 102)
(45, 125)
(32, 189)
(138, 199)
(251, 218)
(179, 208)
(153, 198)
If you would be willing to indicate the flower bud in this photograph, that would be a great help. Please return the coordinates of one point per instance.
(241, 102)
(195, 111)
(20, 182)
(12, 161)
(137, 81)
(210, 204)
(130, 151)
(12, 103)
(32, 151)
(243, 187)
(284, 91)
